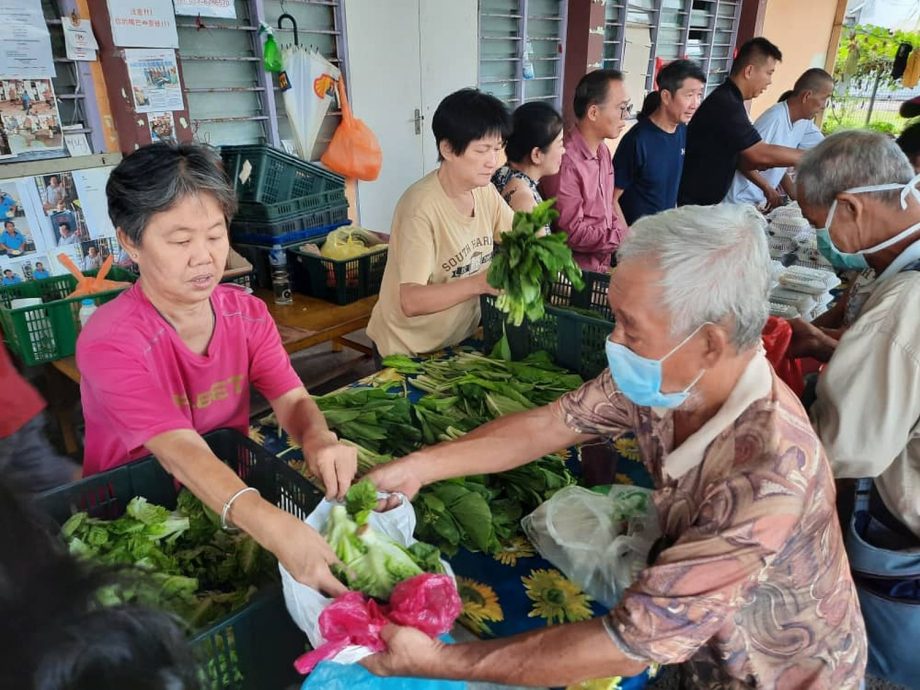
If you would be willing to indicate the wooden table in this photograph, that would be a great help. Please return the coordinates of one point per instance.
(320, 322)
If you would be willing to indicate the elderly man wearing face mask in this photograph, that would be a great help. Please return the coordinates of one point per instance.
(751, 586)
(860, 190)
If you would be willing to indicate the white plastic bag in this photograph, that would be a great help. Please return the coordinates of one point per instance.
(599, 542)
(305, 603)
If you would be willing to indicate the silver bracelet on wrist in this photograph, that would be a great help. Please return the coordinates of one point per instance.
(224, 525)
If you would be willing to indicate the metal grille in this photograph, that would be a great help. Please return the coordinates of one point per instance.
(701, 30)
(505, 28)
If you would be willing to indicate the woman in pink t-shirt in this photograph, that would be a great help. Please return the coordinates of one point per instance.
(174, 356)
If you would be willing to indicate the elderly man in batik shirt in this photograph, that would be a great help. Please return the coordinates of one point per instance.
(751, 587)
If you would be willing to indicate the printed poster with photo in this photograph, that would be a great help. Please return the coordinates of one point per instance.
(154, 77)
(29, 116)
(21, 227)
(162, 127)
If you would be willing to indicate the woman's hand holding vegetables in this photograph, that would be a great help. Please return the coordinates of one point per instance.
(304, 553)
(482, 282)
(333, 462)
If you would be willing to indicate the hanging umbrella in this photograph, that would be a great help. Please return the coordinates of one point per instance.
(308, 92)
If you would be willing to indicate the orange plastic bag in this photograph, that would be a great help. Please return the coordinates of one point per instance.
(354, 150)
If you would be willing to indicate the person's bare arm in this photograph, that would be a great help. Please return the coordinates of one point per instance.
(419, 300)
(333, 462)
(518, 196)
(559, 655)
(789, 186)
(500, 445)
(763, 156)
(773, 197)
(300, 548)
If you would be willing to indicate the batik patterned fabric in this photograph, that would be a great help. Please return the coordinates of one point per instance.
(753, 587)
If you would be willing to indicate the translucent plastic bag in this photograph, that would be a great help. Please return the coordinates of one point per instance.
(305, 604)
(600, 542)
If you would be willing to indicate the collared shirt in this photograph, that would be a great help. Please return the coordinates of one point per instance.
(868, 395)
(583, 190)
(754, 588)
(775, 127)
(718, 133)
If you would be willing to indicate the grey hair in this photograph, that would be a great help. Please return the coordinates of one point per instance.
(715, 265)
(155, 178)
(854, 158)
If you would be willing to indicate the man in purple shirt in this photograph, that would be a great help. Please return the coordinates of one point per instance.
(583, 189)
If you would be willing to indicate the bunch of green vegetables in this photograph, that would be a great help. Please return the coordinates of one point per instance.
(527, 264)
(373, 563)
(189, 565)
(374, 419)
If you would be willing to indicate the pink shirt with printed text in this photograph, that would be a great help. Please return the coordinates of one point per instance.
(139, 379)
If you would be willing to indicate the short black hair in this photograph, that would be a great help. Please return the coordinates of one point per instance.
(158, 176)
(467, 115)
(7, 270)
(909, 141)
(810, 80)
(672, 76)
(755, 52)
(536, 125)
(65, 223)
(592, 89)
(9, 222)
(39, 263)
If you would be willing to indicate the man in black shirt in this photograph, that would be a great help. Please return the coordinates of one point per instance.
(720, 135)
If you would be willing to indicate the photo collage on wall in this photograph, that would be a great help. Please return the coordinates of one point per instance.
(29, 117)
(56, 214)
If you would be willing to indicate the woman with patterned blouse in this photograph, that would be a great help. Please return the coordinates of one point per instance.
(534, 149)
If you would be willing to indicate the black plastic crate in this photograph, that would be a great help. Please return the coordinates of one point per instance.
(574, 339)
(261, 635)
(336, 281)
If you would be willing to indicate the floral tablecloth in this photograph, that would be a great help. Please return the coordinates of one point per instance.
(516, 590)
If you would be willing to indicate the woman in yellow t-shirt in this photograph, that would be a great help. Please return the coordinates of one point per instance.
(443, 233)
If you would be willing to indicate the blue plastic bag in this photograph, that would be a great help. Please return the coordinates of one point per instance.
(328, 675)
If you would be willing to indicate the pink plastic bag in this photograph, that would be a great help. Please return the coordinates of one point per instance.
(427, 602)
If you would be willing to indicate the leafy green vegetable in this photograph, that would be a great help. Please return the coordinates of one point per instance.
(193, 568)
(360, 500)
(526, 265)
(375, 419)
(372, 562)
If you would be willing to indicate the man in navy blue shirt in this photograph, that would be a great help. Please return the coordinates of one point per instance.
(649, 161)
(720, 138)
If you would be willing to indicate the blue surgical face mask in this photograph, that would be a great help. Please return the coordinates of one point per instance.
(857, 259)
(840, 261)
(639, 378)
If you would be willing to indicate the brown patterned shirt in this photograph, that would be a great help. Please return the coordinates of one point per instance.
(754, 587)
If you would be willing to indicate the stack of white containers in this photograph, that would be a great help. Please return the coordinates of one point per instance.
(801, 289)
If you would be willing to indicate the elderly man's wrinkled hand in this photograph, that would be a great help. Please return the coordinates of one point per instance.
(409, 652)
(810, 341)
(397, 477)
(333, 462)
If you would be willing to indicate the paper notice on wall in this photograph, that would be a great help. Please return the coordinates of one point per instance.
(225, 9)
(76, 142)
(143, 23)
(154, 80)
(29, 116)
(25, 44)
(79, 41)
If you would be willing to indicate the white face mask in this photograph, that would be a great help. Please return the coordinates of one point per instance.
(906, 189)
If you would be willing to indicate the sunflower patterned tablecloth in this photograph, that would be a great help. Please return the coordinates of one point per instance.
(516, 590)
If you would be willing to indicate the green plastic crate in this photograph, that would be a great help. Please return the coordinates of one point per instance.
(280, 186)
(261, 635)
(49, 331)
(341, 282)
(574, 340)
